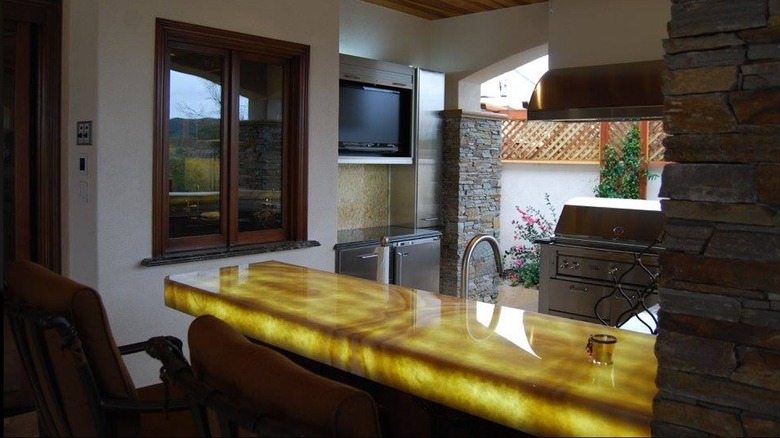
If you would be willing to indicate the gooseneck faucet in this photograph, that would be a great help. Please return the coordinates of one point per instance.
(464, 266)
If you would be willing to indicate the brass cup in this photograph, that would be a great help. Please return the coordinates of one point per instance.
(600, 348)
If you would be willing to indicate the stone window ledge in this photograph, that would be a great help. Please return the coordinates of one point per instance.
(186, 257)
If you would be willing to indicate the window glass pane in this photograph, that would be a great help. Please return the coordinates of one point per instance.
(260, 146)
(194, 143)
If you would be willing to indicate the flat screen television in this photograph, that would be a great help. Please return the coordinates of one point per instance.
(373, 119)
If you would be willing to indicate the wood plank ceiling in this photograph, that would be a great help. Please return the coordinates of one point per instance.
(438, 9)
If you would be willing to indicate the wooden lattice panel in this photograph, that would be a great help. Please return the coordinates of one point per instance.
(655, 141)
(524, 140)
(618, 132)
(550, 141)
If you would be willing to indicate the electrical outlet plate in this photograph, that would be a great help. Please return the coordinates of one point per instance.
(84, 133)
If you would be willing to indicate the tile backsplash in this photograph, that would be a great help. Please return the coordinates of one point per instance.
(363, 196)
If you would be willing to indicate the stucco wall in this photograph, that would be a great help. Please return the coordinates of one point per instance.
(597, 32)
(111, 82)
(375, 32)
(463, 46)
(79, 102)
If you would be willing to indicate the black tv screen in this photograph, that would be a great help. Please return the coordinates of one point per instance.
(372, 117)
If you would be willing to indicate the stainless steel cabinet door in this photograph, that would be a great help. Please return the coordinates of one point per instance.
(430, 140)
(415, 191)
(416, 264)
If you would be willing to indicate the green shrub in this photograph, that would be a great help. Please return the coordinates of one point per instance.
(622, 169)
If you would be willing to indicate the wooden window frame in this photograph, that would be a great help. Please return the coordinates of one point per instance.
(295, 60)
(45, 141)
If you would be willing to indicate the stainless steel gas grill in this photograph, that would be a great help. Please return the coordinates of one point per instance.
(602, 263)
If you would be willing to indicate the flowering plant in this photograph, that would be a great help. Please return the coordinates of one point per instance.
(522, 260)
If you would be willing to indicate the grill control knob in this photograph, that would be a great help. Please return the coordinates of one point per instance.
(567, 264)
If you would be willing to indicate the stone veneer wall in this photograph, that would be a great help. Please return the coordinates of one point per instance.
(718, 348)
(471, 180)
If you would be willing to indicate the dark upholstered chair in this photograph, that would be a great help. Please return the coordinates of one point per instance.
(80, 383)
(244, 387)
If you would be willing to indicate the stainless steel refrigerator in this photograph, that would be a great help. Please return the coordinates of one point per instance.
(416, 263)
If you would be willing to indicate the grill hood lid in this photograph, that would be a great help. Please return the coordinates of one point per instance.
(627, 91)
(637, 221)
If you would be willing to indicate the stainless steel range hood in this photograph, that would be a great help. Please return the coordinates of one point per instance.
(628, 91)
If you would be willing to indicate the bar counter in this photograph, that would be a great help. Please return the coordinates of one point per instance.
(525, 370)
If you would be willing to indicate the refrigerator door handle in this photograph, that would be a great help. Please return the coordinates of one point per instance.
(400, 264)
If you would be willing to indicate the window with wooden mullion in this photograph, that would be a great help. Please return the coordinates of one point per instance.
(195, 125)
(230, 146)
(257, 152)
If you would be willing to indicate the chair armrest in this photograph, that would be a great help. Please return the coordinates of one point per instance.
(138, 347)
(177, 404)
(132, 348)
(172, 404)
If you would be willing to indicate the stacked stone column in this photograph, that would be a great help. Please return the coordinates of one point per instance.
(718, 347)
(471, 180)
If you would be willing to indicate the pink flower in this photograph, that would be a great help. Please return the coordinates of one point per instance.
(528, 227)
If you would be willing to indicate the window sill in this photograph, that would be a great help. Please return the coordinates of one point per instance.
(198, 256)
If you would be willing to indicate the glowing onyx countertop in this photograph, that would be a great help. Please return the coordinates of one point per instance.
(526, 370)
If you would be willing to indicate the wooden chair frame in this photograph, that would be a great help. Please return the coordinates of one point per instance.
(39, 324)
(231, 417)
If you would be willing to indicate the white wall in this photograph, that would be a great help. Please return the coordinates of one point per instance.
(471, 43)
(79, 100)
(597, 32)
(111, 82)
(525, 184)
(375, 32)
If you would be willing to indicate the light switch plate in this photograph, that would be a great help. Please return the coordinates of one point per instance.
(82, 164)
(84, 133)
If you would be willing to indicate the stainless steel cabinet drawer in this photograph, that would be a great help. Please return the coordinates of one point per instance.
(579, 298)
(357, 262)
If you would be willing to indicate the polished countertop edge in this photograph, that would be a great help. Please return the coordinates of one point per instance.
(371, 236)
(222, 254)
(559, 398)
